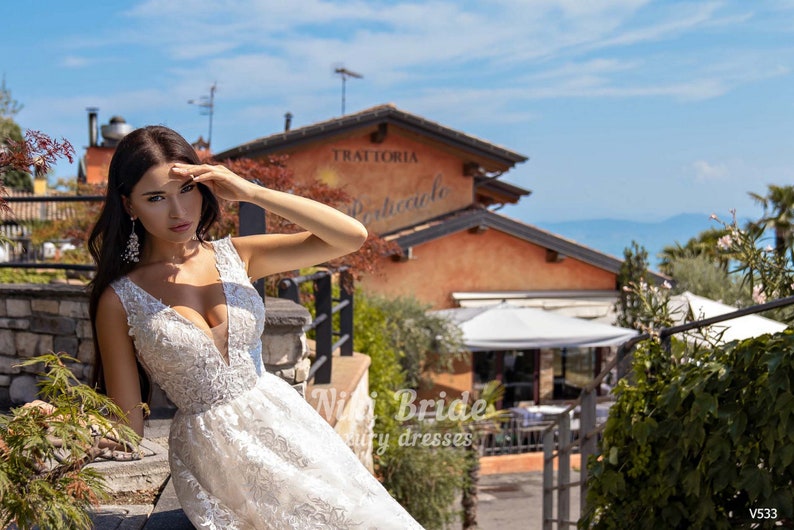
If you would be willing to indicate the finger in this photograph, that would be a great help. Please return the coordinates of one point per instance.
(197, 173)
(204, 177)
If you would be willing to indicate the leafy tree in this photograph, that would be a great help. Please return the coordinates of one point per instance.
(705, 245)
(778, 215)
(404, 341)
(702, 276)
(17, 178)
(425, 343)
(700, 439)
(765, 273)
(37, 150)
(9, 107)
(633, 271)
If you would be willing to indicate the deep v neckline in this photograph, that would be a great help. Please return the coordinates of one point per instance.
(225, 359)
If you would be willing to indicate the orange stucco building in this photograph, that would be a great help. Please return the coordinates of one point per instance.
(94, 165)
(432, 190)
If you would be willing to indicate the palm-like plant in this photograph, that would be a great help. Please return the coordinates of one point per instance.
(778, 215)
(704, 245)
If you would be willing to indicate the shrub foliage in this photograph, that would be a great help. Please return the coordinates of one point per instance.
(700, 439)
(425, 479)
(45, 448)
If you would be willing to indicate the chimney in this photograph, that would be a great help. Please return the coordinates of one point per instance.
(114, 131)
(93, 128)
(287, 121)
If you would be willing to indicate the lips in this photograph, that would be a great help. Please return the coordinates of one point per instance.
(181, 227)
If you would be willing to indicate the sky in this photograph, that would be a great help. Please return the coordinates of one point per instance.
(627, 109)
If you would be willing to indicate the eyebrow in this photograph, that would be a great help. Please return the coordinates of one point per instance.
(147, 193)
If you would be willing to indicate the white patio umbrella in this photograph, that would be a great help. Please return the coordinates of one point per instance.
(508, 327)
(698, 307)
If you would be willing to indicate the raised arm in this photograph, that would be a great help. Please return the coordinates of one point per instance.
(328, 233)
(118, 358)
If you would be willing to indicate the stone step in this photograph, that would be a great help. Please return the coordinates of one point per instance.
(147, 473)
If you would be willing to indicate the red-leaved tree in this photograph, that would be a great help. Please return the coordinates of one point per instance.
(37, 151)
(274, 173)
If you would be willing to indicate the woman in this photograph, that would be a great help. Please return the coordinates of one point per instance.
(246, 451)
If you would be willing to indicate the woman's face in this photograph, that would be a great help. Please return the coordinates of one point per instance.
(167, 205)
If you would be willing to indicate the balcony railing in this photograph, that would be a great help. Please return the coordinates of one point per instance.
(325, 307)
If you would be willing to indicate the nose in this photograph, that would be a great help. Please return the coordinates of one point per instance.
(177, 209)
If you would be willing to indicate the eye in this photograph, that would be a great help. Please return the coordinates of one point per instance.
(155, 198)
(188, 187)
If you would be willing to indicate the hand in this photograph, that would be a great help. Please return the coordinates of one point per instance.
(221, 181)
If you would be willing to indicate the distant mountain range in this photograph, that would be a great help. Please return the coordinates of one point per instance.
(612, 236)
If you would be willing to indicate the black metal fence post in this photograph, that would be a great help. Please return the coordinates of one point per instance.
(289, 289)
(252, 221)
(324, 331)
(325, 307)
(346, 313)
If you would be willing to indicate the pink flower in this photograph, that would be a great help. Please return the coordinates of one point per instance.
(758, 295)
(725, 242)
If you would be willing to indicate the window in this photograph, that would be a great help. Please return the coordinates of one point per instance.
(573, 369)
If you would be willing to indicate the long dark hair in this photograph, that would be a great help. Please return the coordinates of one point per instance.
(135, 154)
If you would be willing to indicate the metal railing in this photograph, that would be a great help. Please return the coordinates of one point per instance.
(587, 436)
(326, 306)
(28, 209)
(514, 436)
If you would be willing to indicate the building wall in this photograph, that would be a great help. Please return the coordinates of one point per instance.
(97, 164)
(488, 261)
(409, 178)
(393, 184)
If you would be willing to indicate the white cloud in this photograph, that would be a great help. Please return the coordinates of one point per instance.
(74, 61)
(707, 172)
(254, 44)
(498, 60)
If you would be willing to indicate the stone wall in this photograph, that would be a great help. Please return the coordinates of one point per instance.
(36, 319)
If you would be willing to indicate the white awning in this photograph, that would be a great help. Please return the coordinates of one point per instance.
(687, 307)
(508, 327)
(593, 305)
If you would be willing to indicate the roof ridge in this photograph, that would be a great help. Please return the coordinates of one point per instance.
(406, 119)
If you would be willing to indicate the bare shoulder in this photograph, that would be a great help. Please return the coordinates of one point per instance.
(110, 309)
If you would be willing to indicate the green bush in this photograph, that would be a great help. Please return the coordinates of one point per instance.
(45, 448)
(705, 277)
(699, 439)
(29, 276)
(426, 480)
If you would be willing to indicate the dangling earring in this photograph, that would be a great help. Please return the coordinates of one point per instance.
(133, 252)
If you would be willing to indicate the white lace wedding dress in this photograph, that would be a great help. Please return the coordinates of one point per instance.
(246, 450)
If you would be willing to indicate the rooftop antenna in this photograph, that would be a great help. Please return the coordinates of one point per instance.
(344, 73)
(207, 106)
